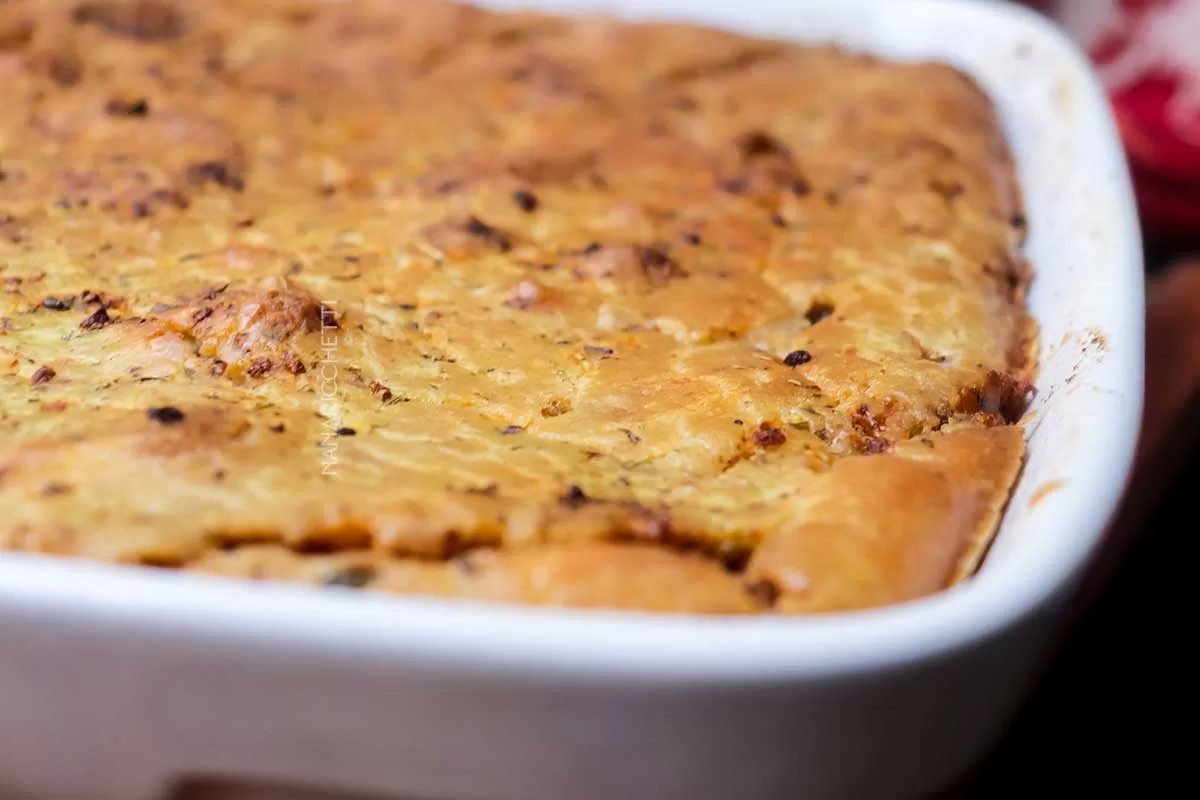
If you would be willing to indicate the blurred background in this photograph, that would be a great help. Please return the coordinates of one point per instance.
(1103, 717)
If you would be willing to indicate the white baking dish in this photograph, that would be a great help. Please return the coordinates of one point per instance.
(117, 683)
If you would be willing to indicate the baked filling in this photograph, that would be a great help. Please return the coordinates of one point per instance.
(416, 297)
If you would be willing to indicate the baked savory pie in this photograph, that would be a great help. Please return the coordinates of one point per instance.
(416, 297)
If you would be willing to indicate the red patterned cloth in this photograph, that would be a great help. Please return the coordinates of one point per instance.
(1147, 53)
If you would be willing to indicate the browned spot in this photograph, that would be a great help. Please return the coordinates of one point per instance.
(556, 407)
(96, 321)
(65, 68)
(145, 20)
(127, 106)
(624, 262)
(1001, 396)
(768, 435)
(1045, 490)
(16, 31)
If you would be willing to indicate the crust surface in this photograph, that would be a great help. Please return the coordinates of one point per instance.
(421, 298)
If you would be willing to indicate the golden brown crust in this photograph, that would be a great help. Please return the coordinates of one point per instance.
(648, 315)
(889, 528)
(584, 575)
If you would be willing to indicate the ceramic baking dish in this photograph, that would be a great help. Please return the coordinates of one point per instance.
(129, 683)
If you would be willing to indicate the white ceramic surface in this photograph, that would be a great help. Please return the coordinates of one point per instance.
(118, 682)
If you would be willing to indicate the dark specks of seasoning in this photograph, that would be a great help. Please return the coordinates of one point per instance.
(259, 367)
(778, 221)
(57, 304)
(219, 475)
(797, 357)
(526, 200)
(201, 314)
(631, 436)
(832, 198)
(597, 351)
(755, 144)
(55, 488)
(817, 312)
(344, 431)
(278, 427)
(1017, 220)
(801, 187)
(657, 265)
(493, 236)
(125, 107)
(97, 320)
(511, 430)
(768, 435)
(165, 415)
(738, 422)
(42, 375)
(592, 248)
(211, 294)
(574, 497)
(218, 172)
(692, 238)
(244, 222)
(355, 576)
